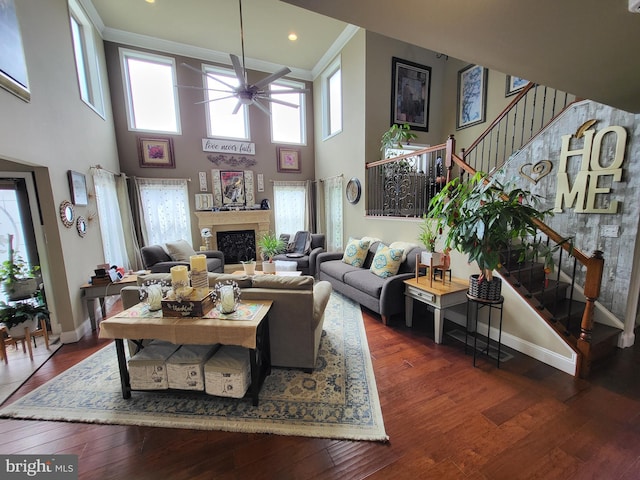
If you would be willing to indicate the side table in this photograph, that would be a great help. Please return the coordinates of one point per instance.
(474, 305)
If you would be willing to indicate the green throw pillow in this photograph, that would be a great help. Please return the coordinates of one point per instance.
(387, 260)
(356, 252)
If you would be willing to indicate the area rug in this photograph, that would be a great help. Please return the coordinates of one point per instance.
(338, 400)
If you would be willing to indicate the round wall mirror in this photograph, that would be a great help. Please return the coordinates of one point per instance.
(66, 213)
(81, 226)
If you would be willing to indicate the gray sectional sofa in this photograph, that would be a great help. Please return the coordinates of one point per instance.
(384, 296)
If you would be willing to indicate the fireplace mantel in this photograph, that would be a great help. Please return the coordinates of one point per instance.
(256, 220)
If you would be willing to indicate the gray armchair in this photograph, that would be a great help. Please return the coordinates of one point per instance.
(307, 261)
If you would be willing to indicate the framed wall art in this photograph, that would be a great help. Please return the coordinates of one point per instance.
(156, 152)
(411, 85)
(514, 85)
(13, 66)
(289, 160)
(78, 188)
(472, 96)
(232, 185)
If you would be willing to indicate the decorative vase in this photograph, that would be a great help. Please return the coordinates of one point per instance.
(249, 267)
(269, 267)
(426, 258)
(484, 289)
(18, 330)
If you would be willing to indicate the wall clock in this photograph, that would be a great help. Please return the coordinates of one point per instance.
(353, 190)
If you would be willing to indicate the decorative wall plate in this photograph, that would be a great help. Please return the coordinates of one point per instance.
(66, 213)
(353, 190)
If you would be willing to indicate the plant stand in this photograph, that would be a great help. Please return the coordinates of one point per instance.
(25, 339)
(474, 305)
(431, 269)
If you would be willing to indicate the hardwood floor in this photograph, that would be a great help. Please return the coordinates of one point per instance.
(445, 420)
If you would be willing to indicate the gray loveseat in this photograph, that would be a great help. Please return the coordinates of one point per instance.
(295, 318)
(160, 258)
(384, 296)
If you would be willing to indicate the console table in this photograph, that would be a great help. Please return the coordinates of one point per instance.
(92, 292)
(137, 323)
(439, 295)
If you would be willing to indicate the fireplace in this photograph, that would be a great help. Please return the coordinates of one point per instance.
(237, 246)
(255, 221)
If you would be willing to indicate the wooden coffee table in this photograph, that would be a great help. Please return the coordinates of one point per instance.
(137, 324)
(281, 273)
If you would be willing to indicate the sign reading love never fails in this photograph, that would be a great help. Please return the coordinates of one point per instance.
(227, 146)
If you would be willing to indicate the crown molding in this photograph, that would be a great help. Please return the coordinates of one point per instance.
(337, 46)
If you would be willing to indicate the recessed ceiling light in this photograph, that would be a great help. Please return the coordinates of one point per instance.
(293, 37)
(150, 1)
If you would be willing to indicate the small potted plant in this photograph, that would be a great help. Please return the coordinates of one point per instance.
(20, 315)
(429, 232)
(270, 245)
(249, 266)
(17, 276)
(484, 219)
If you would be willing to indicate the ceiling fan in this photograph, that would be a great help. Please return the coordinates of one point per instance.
(246, 93)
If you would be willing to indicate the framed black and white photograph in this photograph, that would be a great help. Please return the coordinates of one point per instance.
(514, 85)
(472, 96)
(13, 66)
(78, 188)
(410, 90)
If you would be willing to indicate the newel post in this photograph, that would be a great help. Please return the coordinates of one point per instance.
(593, 282)
(450, 148)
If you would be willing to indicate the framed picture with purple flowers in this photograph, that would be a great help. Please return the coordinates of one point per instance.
(156, 152)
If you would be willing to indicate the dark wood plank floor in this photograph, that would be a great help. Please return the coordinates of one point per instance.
(445, 419)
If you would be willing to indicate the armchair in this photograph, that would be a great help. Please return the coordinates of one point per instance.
(160, 258)
(306, 260)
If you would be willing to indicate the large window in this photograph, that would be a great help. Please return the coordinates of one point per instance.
(86, 56)
(288, 123)
(164, 205)
(152, 100)
(332, 100)
(224, 117)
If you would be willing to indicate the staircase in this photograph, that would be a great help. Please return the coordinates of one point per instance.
(566, 307)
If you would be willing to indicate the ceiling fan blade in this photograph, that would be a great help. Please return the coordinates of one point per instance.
(215, 99)
(289, 90)
(209, 76)
(261, 107)
(274, 76)
(275, 100)
(203, 88)
(237, 107)
(239, 69)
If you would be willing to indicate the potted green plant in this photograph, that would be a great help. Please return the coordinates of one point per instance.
(17, 276)
(270, 245)
(484, 219)
(396, 136)
(429, 233)
(20, 315)
(249, 266)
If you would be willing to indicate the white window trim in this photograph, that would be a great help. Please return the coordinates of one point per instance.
(302, 112)
(126, 53)
(245, 108)
(328, 73)
(91, 62)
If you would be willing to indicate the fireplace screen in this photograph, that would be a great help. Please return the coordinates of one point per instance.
(237, 245)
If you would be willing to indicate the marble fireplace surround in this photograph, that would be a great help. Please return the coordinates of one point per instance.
(231, 221)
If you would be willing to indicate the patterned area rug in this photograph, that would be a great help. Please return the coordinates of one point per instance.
(339, 400)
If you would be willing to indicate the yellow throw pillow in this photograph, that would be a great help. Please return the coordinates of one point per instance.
(387, 260)
(356, 252)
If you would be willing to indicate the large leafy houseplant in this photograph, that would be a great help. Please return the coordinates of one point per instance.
(15, 314)
(485, 217)
(271, 245)
(396, 137)
(18, 278)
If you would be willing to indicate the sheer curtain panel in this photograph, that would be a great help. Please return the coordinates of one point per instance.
(290, 206)
(333, 216)
(111, 224)
(164, 210)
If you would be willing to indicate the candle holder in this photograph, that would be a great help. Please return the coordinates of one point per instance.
(226, 296)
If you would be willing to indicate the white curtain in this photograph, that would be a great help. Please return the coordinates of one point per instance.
(164, 205)
(290, 206)
(333, 216)
(111, 224)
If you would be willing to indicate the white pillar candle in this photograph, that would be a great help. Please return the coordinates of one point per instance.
(198, 263)
(180, 275)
